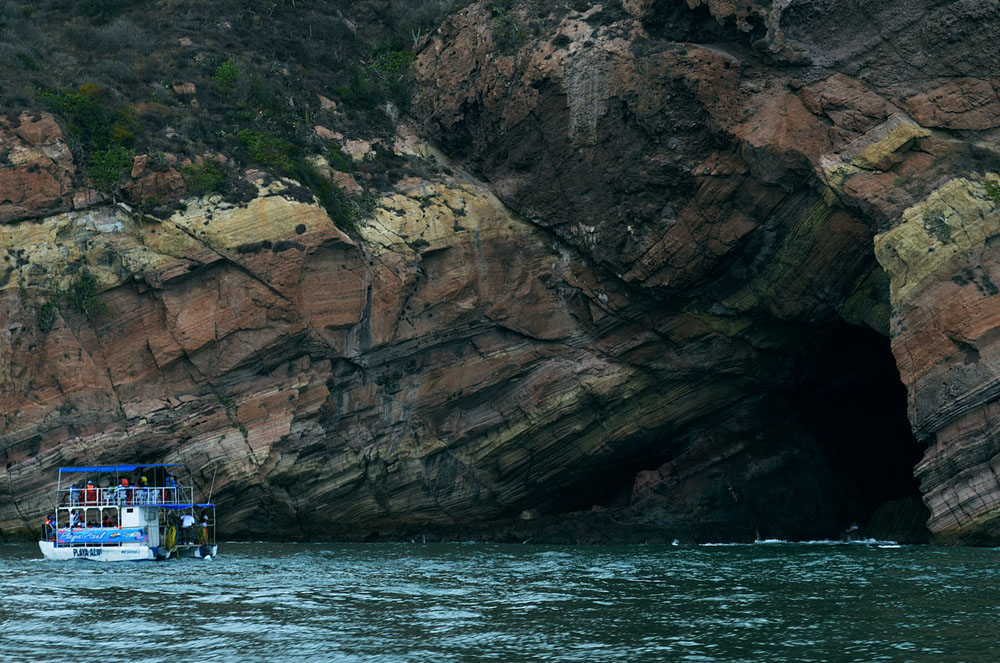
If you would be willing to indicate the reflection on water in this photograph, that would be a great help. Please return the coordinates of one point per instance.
(455, 602)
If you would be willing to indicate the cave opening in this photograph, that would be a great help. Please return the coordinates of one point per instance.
(853, 404)
(827, 451)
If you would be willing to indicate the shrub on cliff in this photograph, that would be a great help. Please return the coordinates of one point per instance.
(203, 179)
(394, 69)
(109, 167)
(268, 150)
(226, 75)
(46, 317)
(101, 133)
(82, 296)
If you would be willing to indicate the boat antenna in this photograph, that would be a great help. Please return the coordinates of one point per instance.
(212, 489)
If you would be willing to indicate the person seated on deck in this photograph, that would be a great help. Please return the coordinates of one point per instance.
(187, 522)
(106, 522)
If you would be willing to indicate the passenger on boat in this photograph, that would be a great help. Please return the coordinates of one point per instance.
(107, 521)
(50, 527)
(90, 493)
(76, 520)
(201, 533)
(187, 522)
(74, 495)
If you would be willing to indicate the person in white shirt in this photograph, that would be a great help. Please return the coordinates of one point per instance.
(187, 522)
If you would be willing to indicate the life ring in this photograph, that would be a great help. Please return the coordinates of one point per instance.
(171, 538)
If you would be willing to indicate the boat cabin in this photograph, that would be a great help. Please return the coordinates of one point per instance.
(128, 512)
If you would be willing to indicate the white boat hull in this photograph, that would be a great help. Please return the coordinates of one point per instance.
(198, 552)
(123, 553)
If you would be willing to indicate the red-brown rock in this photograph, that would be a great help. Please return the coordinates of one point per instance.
(36, 168)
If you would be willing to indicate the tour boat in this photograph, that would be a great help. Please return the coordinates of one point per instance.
(113, 513)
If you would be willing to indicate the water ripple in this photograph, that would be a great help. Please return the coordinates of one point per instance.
(397, 603)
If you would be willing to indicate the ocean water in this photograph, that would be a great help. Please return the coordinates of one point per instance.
(761, 603)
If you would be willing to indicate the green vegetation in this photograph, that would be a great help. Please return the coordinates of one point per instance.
(81, 296)
(993, 191)
(935, 224)
(226, 75)
(203, 179)
(46, 317)
(101, 133)
(245, 78)
(285, 158)
(268, 150)
(103, 9)
(108, 168)
(338, 160)
(360, 92)
(337, 205)
(393, 67)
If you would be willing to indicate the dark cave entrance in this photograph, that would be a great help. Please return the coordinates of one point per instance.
(837, 440)
(853, 404)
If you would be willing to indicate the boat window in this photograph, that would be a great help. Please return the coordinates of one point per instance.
(129, 510)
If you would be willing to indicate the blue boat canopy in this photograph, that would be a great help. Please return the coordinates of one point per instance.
(111, 468)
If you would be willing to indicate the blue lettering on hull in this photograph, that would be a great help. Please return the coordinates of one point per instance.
(86, 552)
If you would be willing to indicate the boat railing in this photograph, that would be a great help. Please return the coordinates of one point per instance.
(126, 495)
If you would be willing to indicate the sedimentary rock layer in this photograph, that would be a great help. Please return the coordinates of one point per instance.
(652, 292)
(738, 158)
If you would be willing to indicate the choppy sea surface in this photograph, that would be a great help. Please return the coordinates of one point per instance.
(767, 602)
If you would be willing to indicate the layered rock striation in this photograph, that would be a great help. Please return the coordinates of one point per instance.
(670, 281)
(737, 160)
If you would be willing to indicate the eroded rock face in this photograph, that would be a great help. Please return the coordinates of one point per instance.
(721, 212)
(36, 167)
(453, 365)
(689, 159)
(940, 258)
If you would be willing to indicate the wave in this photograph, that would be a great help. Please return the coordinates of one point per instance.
(816, 542)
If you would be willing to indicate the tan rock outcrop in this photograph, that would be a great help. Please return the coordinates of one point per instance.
(945, 321)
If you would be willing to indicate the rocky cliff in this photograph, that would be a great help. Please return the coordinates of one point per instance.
(714, 270)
